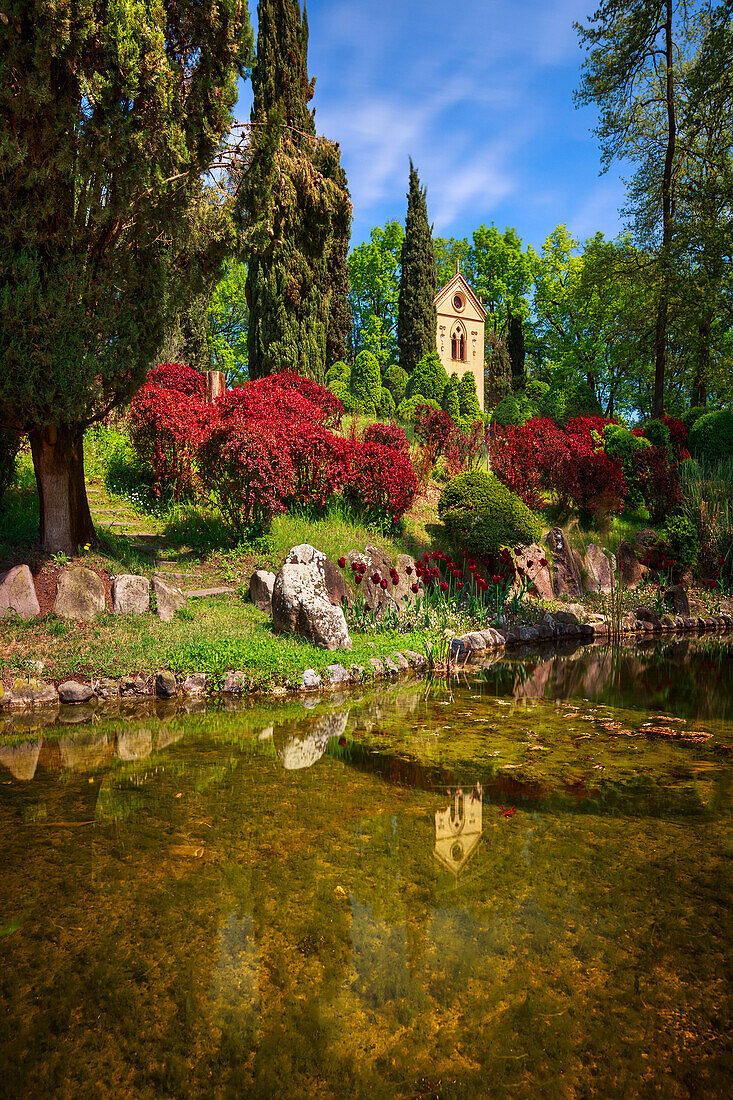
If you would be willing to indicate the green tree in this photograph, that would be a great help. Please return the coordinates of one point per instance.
(296, 211)
(450, 254)
(429, 378)
(416, 316)
(109, 114)
(635, 48)
(374, 288)
(227, 320)
(451, 401)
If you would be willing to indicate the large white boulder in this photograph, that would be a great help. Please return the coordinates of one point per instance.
(301, 605)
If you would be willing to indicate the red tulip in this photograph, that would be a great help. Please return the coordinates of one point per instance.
(357, 579)
(443, 586)
(415, 588)
(383, 584)
(342, 563)
(408, 570)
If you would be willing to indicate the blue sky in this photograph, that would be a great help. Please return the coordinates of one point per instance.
(479, 94)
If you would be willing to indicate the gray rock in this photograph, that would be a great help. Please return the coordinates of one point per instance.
(234, 683)
(401, 662)
(377, 666)
(529, 570)
(527, 633)
(567, 580)
(135, 687)
(130, 595)
(646, 615)
(333, 578)
(675, 598)
(632, 570)
(310, 680)
(260, 590)
(337, 674)
(418, 661)
(80, 594)
(301, 605)
(476, 641)
(71, 692)
(195, 684)
(18, 594)
(598, 576)
(357, 673)
(389, 666)
(31, 693)
(165, 685)
(169, 599)
(107, 688)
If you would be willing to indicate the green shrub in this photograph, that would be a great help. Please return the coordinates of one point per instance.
(711, 436)
(693, 415)
(468, 398)
(386, 404)
(406, 410)
(566, 399)
(657, 433)
(366, 381)
(511, 412)
(621, 445)
(451, 402)
(481, 515)
(682, 542)
(340, 389)
(536, 390)
(428, 379)
(396, 379)
(9, 447)
(339, 371)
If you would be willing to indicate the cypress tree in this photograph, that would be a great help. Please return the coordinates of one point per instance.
(416, 316)
(297, 211)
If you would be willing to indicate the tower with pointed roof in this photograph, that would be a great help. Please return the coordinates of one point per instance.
(459, 336)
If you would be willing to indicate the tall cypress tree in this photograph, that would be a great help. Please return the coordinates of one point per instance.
(416, 316)
(297, 210)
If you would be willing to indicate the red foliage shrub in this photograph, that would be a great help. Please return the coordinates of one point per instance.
(596, 484)
(382, 482)
(678, 436)
(658, 482)
(178, 376)
(247, 472)
(389, 435)
(463, 448)
(320, 460)
(282, 397)
(528, 458)
(166, 428)
(433, 428)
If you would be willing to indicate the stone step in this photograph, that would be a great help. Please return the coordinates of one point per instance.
(198, 593)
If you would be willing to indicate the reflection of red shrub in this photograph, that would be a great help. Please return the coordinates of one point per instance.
(389, 435)
(247, 471)
(382, 483)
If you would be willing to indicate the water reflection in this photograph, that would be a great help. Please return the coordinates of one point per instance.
(458, 829)
(303, 749)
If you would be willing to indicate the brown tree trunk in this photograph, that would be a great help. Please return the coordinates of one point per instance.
(699, 394)
(660, 335)
(58, 462)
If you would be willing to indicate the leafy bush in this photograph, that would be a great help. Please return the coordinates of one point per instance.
(382, 483)
(409, 408)
(429, 379)
(9, 447)
(468, 398)
(622, 446)
(693, 415)
(166, 428)
(342, 393)
(339, 371)
(320, 461)
(386, 404)
(451, 403)
(658, 482)
(678, 434)
(658, 434)
(389, 435)
(681, 542)
(536, 390)
(395, 379)
(512, 411)
(366, 383)
(247, 472)
(481, 514)
(711, 436)
(180, 377)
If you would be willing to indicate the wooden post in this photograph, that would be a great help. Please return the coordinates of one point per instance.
(215, 385)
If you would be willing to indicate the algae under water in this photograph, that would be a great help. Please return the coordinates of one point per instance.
(517, 885)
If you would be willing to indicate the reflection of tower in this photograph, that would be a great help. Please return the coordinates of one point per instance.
(458, 829)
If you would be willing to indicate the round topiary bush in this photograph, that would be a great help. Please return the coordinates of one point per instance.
(386, 404)
(395, 379)
(429, 378)
(658, 434)
(451, 402)
(694, 414)
(508, 413)
(481, 515)
(407, 410)
(711, 436)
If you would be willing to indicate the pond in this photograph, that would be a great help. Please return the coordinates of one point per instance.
(516, 885)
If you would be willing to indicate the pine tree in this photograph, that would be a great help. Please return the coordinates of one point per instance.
(416, 316)
(297, 211)
(109, 115)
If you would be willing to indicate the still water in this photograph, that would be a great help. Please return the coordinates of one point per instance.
(517, 886)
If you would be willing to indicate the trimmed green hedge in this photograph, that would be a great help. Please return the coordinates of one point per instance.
(481, 515)
(711, 436)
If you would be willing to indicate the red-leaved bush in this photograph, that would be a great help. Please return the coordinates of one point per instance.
(382, 483)
(178, 376)
(247, 473)
(678, 436)
(389, 435)
(166, 428)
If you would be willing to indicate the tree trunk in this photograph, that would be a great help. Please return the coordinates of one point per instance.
(699, 394)
(660, 334)
(58, 462)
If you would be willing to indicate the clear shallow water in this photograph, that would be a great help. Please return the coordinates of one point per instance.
(293, 901)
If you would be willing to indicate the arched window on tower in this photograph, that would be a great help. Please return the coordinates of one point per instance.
(458, 344)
